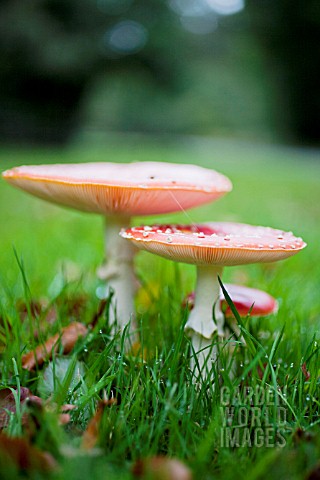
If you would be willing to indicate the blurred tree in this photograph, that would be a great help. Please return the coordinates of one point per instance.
(164, 61)
(51, 49)
(290, 35)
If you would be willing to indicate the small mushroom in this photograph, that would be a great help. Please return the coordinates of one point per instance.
(246, 300)
(119, 191)
(211, 247)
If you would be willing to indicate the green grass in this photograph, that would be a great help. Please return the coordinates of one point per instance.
(161, 412)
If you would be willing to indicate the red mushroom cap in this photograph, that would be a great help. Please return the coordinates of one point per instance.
(245, 299)
(121, 189)
(217, 244)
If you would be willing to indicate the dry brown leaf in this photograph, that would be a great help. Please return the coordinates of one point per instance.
(91, 435)
(161, 468)
(24, 456)
(68, 338)
(71, 334)
(8, 404)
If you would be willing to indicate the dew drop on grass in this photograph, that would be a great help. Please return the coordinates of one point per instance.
(291, 365)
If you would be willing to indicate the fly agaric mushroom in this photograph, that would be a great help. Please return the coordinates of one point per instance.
(211, 247)
(246, 300)
(119, 191)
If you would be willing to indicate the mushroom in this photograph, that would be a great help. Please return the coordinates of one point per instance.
(211, 247)
(119, 191)
(246, 300)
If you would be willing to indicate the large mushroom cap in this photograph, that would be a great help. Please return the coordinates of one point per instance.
(218, 244)
(143, 188)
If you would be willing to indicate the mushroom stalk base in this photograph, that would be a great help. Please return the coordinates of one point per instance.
(118, 273)
(201, 326)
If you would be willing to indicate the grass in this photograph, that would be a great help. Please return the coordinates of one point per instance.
(51, 254)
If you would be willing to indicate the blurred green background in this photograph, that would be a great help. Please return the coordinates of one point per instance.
(223, 68)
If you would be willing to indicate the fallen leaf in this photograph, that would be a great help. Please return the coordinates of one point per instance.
(68, 338)
(24, 456)
(71, 334)
(55, 372)
(91, 435)
(8, 404)
(161, 468)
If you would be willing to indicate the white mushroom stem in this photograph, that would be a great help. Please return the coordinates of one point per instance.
(118, 272)
(200, 326)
